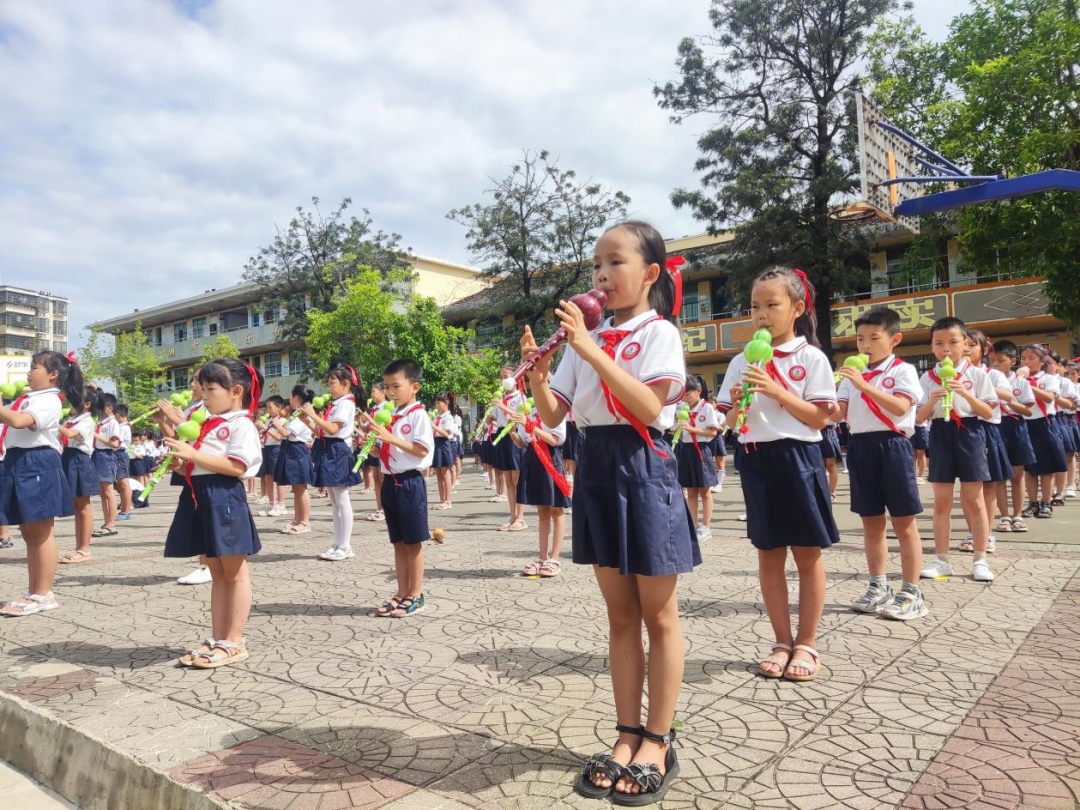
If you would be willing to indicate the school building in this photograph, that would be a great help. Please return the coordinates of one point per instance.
(715, 328)
(179, 330)
(32, 320)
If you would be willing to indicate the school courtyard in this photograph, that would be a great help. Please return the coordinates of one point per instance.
(495, 695)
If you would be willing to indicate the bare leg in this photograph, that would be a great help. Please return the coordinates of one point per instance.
(691, 502)
(975, 513)
(1018, 500)
(543, 521)
(706, 506)
(41, 555)
(907, 533)
(558, 530)
(943, 504)
(233, 605)
(811, 604)
(833, 473)
(302, 503)
(875, 544)
(774, 592)
(84, 524)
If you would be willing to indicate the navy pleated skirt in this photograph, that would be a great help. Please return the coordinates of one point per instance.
(1063, 426)
(34, 487)
(216, 521)
(629, 512)
(506, 456)
(535, 485)
(1048, 449)
(571, 448)
(830, 443)
(105, 464)
(444, 452)
(294, 465)
(696, 471)
(333, 461)
(1014, 432)
(997, 454)
(270, 453)
(80, 472)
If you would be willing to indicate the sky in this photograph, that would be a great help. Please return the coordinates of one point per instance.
(149, 147)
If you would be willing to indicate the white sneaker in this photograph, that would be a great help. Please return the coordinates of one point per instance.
(980, 571)
(200, 576)
(937, 568)
(263, 499)
(277, 511)
(1070, 492)
(338, 554)
(497, 499)
(706, 534)
(742, 517)
(920, 479)
(717, 488)
(264, 512)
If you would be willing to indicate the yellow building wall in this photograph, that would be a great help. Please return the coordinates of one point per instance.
(445, 283)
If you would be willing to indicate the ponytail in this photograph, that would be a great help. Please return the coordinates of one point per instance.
(800, 289)
(69, 377)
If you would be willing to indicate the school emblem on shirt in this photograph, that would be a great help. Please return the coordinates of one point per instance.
(631, 350)
(968, 384)
(1016, 392)
(222, 433)
(406, 430)
(1042, 385)
(701, 418)
(888, 382)
(797, 373)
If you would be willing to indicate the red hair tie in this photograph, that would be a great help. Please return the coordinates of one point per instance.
(256, 391)
(806, 289)
(352, 371)
(673, 264)
(71, 358)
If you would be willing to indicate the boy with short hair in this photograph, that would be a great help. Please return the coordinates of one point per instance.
(957, 446)
(408, 446)
(1014, 432)
(879, 405)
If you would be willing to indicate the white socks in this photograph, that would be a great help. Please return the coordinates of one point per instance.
(341, 508)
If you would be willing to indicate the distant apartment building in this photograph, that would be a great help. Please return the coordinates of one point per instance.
(178, 331)
(32, 320)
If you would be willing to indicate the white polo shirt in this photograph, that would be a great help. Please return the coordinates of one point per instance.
(1052, 385)
(804, 371)
(125, 435)
(511, 400)
(652, 352)
(106, 430)
(343, 412)
(703, 417)
(297, 430)
(444, 421)
(457, 428)
(1021, 391)
(897, 378)
(1069, 391)
(997, 380)
(236, 439)
(269, 439)
(972, 378)
(84, 424)
(44, 406)
(414, 425)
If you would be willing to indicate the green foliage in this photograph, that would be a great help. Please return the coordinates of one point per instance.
(132, 366)
(1001, 95)
(367, 326)
(775, 82)
(222, 346)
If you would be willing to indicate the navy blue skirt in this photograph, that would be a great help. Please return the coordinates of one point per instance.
(294, 465)
(957, 451)
(1014, 432)
(81, 474)
(333, 463)
(444, 452)
(882, 475)
(787, 495)
(535, 486)
(696, 471)
(1064, 429)
(1049, 452)
(997, 455)
(404, 500)
(571, 447)
(920, 439)
(506, 456)
(33, 487)
(629, 512)
(718, 445)
(487, 452)
(270, 453)
(830, 443)
(216, 521)
(105, 464)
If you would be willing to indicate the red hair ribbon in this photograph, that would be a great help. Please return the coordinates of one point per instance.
(806, 289)
(71, 358)
(352, 371)
(673, 264)
(256, 391)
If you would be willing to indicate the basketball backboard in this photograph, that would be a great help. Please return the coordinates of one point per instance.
(884, 156)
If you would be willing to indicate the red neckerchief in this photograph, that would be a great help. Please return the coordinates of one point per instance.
(1039, 402)
(387, 448)
(206, 427)
(612, 338)
(774, 372)
(693, 436)
(329, 410)
(872, 404)
(70, 425)
(543, 453)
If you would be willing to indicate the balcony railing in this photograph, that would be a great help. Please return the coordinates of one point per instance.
(246, 338)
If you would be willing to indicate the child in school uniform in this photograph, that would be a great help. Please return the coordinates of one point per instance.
(538, 485)
(213, 519)
(371, 469)
(920, 440)
(1050, 456)
(34, 490)
(697, 470)
(506, 458)
(957, 447)
(5, 531)
(830, 454)
(624, 382)
(408, 446)
(333, 463)
(106, 445)
(1063, 421)
(456, 443)
(77, 437)
(123, 462)
(879, 405)
(783, 473)
(443, 458)
(1014, 432)
(294, 468)
(1071, 372)
(275, 492)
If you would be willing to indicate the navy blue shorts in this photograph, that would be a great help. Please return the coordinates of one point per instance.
(571, 448)
(506, 456)
(629, 511)
(696, 472)
(105, 464)
(123, 464)
(920, 439)
(216, 521)
(719, 446)
(1049, 452)
(444, 452)
(270, 453)
(957, 451)
(1014, 432)
(1064, 429)
(787, 495)
(81, 475)
(997, 455)
(332, 462)
(404, 500)
(294, 465)
(33, 487)
(487, 452)
(535, 486)
(882, 476)
(830, 443)
(373, 457)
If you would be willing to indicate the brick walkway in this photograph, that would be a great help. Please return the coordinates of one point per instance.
(495, 695)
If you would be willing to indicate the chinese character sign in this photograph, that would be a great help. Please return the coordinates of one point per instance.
(918, 312)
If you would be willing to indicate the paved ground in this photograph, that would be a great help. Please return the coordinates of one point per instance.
(494, 696)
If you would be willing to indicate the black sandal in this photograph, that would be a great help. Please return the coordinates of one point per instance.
(384, 610)
(647, 776)
(604, 764)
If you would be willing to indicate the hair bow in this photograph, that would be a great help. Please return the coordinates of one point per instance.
(673, 264)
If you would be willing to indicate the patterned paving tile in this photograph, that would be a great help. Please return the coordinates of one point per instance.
(37, 689)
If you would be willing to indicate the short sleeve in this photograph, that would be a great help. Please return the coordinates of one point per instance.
(663, 359)
(732, 377)
(344, 412)
(1026, 397)
(86, 429)
(983, 389)
(843, 393)
(559, 432)
(422, 434)
(712, 418)
(244, 445)
(907, 383)
(819, 387)
(563, 382)
(924, 384)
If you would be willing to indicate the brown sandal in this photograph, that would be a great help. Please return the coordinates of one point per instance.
(781, 665)
(76, 557)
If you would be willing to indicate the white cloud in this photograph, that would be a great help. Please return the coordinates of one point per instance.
(145, 153)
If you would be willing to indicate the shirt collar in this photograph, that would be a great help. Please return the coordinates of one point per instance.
(791, 346)
(30, 393)
(404, 408)
(883, 365)
(631, 325)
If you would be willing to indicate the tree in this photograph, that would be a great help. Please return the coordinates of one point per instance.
(314, 258)
(775, 80)
(132, 366)
(535, 236)
(367, 326)
(222, 346)
(1000, 95)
